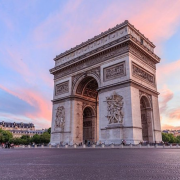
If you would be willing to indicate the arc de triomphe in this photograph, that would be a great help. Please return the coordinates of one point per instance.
(105, 90)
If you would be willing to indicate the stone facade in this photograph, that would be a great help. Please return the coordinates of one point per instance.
(105, 90)
(19, 129)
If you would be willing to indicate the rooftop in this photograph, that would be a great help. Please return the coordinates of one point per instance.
(102, 34)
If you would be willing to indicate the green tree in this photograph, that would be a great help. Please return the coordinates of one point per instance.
(36, 139)
(178, 137)
(25, 139)
(5, 136)
(49, 130)
(45, 138)
(165, 137)
(170, 138)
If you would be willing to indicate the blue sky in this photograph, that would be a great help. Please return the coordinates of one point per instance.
(33, 32)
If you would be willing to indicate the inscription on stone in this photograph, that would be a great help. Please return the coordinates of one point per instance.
(142, 73)
(62, 88)
(115, 71)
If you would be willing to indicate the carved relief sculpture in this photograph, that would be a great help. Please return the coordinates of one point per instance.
(115, 71)
(62, 88)
(114, 108)
(60, 118)
(143, 74)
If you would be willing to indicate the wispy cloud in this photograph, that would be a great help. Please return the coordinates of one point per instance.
(36, 44)
(166, 96)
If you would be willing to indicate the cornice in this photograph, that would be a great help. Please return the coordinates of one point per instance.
(91, 53)
(120, 41)
(103, 34)
(150, 53)
(122, 84)
(73, 97)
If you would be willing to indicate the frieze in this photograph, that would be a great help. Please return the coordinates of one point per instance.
(62, 88)
(94, 60)
(78, 59)
(89, 47)
(142, 74)
(102, 38)
(142, 57)
(114, 71)
(80, 64)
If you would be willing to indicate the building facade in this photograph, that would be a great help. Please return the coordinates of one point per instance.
(105, 90)
(19, 129)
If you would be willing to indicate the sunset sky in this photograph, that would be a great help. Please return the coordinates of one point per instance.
(33, 32)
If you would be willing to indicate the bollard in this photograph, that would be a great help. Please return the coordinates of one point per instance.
(170, 145)
(148, 146)
(102, 145)
(84, 146)
(35, 146)
(75, 146)
(130, 145)
(93, 146)
(66, 146)
(177, 146)
(122, 146)
(49, 145)
(155, 146)
(57, 146)
(23, 146)
(29, 146)
(112, 145)
(163, 145)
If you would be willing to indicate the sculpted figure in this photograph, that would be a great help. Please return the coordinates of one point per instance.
(60, 118)
(114, 108)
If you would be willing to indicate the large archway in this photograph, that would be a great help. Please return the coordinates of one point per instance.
(87, 89)
(88, 125)
(146, 119)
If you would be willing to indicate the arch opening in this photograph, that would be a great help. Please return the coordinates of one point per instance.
(146, 119)
(88, 87)
(88, 125)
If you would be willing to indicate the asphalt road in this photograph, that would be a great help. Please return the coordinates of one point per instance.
(77, 164)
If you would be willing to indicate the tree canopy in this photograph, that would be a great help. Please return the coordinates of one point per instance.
(6, 136)
(170, 138)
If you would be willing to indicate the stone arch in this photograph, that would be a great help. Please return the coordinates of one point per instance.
(93, 111)
(146, 119)
(89, 125)
(82, 78)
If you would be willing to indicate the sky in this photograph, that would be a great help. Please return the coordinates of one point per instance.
(33, 32)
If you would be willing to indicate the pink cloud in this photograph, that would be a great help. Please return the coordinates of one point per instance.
(175, 114)
(158, 20)
(39, 123)
(168, 70)
(35, 99)
(166, 96)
